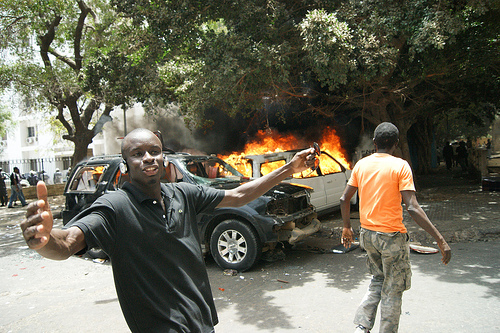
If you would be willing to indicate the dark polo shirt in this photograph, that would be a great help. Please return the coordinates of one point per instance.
(159, 271)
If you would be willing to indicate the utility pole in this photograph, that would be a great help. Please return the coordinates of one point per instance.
(124, 120)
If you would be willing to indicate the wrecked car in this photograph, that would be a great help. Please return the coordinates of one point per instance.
(236, 237)
(328, 180)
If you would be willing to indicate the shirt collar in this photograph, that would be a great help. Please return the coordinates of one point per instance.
(166, 191)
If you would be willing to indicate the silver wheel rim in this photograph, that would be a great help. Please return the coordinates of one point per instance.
(232, 246)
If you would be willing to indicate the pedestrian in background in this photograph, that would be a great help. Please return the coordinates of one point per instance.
(32, 178)
(448, 155)
(488, 148)
(16, 189)
(3, 189)
(382, 180)
(462, 156)
(57, 176)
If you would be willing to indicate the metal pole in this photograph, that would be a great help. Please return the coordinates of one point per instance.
(124, 120)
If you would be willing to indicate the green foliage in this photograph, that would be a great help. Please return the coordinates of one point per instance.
(375, 56)
(328, 45)
(78, 58)
(379, 60)
(5, 119)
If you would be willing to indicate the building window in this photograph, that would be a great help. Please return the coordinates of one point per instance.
(33, 164)
(66, 163)
(31, 132)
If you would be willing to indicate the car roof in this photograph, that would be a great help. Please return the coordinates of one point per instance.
(95, 160)
(272, 156)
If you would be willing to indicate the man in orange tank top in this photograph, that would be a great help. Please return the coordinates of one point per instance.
(382, 182)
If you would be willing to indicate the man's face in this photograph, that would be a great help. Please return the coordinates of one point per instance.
(142, 151)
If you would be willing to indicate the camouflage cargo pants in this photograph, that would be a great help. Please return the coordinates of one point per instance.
(389, 263)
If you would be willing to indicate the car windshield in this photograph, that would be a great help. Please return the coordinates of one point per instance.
(87, 178)
(210, 170)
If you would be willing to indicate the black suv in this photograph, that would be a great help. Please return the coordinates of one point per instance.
(235, 237)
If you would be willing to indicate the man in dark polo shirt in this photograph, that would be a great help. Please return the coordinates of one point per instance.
(149, 231)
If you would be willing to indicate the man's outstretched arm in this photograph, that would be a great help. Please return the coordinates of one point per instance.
(39, 234)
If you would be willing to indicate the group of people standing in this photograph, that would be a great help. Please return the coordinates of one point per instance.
(455, 157)
(15, 188)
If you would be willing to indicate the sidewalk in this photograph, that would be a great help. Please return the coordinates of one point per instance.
(453, 201)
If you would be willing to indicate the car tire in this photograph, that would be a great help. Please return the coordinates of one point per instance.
(235, 245)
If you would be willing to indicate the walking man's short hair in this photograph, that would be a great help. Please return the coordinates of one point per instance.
(386, 135)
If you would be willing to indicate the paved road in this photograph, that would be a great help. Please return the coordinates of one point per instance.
(307, 292)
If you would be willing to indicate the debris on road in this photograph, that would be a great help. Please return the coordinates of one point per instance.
(422, 249)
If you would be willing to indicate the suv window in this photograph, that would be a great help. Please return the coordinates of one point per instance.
(327, 166)
(87, 178)
(209, 170)
(267, 167)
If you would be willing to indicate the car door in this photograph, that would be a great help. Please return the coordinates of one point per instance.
(328, 183)
(319, 195)
(335, 179)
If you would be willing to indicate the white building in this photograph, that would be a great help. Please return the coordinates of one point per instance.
(33, 143)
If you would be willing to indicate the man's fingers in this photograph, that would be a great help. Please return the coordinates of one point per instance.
(446, 257)
(37, 243)
(41, 191)
(346, 242)
(446, 253)
(33, 207)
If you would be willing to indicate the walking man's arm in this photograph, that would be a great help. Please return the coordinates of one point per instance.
(419, 216)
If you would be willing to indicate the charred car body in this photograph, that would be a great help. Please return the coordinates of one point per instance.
(235, 237)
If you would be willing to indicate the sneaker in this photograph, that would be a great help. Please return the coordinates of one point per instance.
(361, 329)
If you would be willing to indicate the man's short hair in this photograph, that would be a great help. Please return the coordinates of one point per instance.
(386, 135)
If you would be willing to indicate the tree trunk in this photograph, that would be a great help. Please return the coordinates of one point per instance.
(81, 142)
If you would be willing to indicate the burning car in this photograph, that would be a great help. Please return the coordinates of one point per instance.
(235, 237)
(328, 180)
(270, 150)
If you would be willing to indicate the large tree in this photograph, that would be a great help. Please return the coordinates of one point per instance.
(78, 58)
(399, 61)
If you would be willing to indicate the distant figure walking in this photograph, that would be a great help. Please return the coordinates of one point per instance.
(16, 189)
(3, 189)
(58, 176)
(462, 155)
(448, 155)
(488, 148)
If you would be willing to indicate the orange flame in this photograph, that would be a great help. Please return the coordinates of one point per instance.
(267, 142)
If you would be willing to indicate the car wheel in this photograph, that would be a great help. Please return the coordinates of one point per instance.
(235, 245)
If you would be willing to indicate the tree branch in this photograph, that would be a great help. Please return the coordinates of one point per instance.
(85, 10)
(47, 39)
(63, 58)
